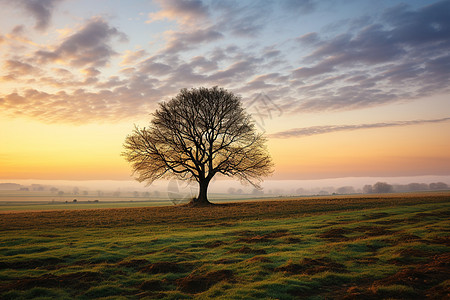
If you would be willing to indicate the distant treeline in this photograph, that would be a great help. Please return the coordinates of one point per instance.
(383, 187)
(377, 188)
(76, 191)
(10, 187)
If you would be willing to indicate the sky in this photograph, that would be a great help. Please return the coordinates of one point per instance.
(341, 88)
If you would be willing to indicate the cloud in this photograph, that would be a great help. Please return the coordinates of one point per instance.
(184, 12)
(309, 38)
(201, 23)
(315, 130)
(91, 72)
(62, 72)
(237, 71)
(13, 99)
(242, 20)
(19, 68)
(18, 30)
(372, 45)
(429, 24)
(220, 17)
(130, 57)
(218, 42)
(182, 41)
(131, 94)
(80, 106)
(299, 6)
(203, 64)
(90, 46)
(405, 58)
(196, 25)
(152, 66)
(408, 33)
(40, 10)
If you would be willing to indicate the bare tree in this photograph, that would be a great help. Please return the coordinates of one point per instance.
(196, 135)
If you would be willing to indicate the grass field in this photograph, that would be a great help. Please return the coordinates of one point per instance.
(390, 246)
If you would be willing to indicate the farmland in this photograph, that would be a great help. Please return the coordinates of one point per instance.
(382, 246)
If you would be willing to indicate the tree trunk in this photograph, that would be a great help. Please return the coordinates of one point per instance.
(202, 198)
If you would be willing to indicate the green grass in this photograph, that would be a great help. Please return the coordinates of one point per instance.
(364, 253)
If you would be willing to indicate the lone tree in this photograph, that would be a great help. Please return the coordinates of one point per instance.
(196, 135)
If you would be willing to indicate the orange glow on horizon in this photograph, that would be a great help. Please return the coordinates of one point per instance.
(381, 152)
(40, 151)
(43, 151)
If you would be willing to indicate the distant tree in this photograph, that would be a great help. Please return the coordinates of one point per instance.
(300, 191)
(85, 193)
(60, 193)
(231, 191)
(346, 190)
(53, 190)
(135, 194)
(367, 189)
(277, 191)
(196, 135)
(438, 186)
(417, 186)
(10, 187)
(76, 190)
(37, 187)
(257, 192)
(382, 187)
(400, 188)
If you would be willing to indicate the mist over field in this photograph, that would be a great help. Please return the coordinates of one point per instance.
(160, 189)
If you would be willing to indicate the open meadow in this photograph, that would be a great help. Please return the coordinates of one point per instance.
(393, 246)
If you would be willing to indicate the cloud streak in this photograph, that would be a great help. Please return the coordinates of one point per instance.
(315, 130)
